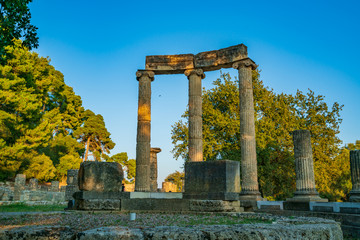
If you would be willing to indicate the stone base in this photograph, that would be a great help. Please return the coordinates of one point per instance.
(302, 202)
(97, 204)
(213, 180)
(354, 196)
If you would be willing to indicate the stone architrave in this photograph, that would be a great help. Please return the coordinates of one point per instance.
(19, 186)
(249, 185)
(153, 169)
(355, 175)
(142, 182)
(33, 184)
(304, 169)
(195, 114)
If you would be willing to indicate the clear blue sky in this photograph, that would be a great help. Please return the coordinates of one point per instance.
(99, 45)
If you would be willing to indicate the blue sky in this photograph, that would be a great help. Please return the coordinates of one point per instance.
(99, 45)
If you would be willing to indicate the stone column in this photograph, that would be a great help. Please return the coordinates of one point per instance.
(153, 169)
(249, 184)
(195, 114)
(72, 184)
(142, 181)
(355, 175)
(304, 168)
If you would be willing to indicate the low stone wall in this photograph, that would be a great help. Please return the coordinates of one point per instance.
(305, 228)
(54, 197)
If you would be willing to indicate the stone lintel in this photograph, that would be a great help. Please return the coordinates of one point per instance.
(208, 61)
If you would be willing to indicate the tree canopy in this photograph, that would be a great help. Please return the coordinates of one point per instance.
(15, 24)
(276, 117)
(129, 164)
(42, 120)
(176, 178)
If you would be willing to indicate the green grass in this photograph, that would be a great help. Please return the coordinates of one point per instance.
(21, 207)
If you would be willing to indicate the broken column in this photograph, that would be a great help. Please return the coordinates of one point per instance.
(19, 186)
(195, 114)
(249, 184)
(355, 175)
(304, 169)
(153, 169)
(142, 182)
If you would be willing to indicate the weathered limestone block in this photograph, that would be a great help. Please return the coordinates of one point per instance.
(19, 186)
(165, 64)
(100, 176)
(107, 233)
(168, 187)
(213, 180)
(214, 206)
(33, 184)
(72, 177)
(355, 175)
(222, 58)
(153, 169)
(6, 194)
(54, 186)
(50, 196)
(72, 184)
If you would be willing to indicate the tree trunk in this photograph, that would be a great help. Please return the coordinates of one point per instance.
(87, 149)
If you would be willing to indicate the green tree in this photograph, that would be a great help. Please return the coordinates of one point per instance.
(15, 24)
(276, 117)
(94, 135)
(129, 164)
(39, 115)
(176, 178)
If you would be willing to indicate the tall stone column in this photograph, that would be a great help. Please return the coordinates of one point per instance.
(355, 175)
(304, 168)
(142, 182)
(153, 169)
(249, 184)
(195, 114)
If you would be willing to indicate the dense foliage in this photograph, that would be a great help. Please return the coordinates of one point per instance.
(276, 116)
(44, 128)
(15, 24)
(128, 164)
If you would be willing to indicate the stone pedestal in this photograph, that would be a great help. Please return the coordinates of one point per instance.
(355, 175)
(153, 169)
(249, 184)
(304, 168)
(195, 114)
(213, 180)
(100, 186)
(142, 181)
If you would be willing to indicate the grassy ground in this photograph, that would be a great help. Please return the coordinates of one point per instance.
(21, 207)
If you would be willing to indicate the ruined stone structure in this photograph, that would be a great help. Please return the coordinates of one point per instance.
(72, 184)
(153, 169)
(355, 175)
(304, 168)
(20, 181)
(194, 66)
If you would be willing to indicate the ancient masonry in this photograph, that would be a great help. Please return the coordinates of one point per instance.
(193, 67)
(355, 175)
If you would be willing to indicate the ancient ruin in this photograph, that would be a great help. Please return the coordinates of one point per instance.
(355, 175)
(304, 168)
(193, 67)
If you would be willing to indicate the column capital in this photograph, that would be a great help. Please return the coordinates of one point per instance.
(247, 62)
(155, 150)
(197, 71)
(141, 73)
